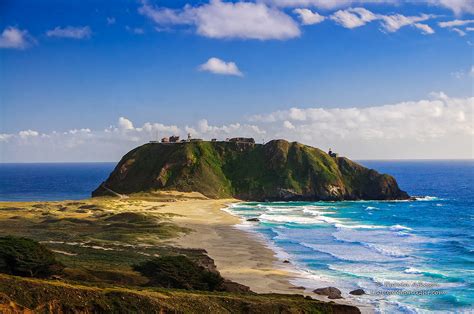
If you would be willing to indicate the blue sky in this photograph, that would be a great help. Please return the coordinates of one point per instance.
(84, 64)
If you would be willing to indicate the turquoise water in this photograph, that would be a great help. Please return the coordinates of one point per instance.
(410, 257)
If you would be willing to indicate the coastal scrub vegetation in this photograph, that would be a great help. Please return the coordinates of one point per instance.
(179, 272)
(25, 257)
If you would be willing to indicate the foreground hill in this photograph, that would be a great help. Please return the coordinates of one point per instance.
(278, 170)
(110, 255)
(24, 295)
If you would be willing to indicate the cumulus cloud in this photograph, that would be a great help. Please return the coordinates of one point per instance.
(218, 66)
(414, 120)
(15, 38)
(27, 133)
(264, 20)
(4, 137)
(205, 130)
(108, 144)
(74, 32)
(217, 19)
(413, 129)
(288, 125)
(125, 124)
(437, 127)
(309, 17)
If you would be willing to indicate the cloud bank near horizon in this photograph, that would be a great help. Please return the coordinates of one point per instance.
(439, 127)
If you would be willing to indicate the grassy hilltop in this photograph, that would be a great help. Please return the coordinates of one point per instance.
(278, 170)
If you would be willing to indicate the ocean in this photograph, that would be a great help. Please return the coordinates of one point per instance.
(51, 181)
(410, 256)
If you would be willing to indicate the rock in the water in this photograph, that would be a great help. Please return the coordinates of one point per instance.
(330, 292)
(253, 219)
(357, 292)
(286, 261)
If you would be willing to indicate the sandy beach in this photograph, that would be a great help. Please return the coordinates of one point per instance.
(239, 255)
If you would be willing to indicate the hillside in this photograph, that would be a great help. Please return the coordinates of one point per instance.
(24, 295)
(278, 170)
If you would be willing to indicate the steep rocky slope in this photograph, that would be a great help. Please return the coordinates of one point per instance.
(278, 170)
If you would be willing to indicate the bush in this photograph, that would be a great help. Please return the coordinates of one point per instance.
(179, 272)
(25, 257)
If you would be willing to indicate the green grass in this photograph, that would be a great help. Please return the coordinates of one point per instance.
(249, 172)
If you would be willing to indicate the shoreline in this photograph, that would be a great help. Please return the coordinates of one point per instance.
(293, 272)
(257, 266)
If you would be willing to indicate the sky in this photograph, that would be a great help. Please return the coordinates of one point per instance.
(89, 80)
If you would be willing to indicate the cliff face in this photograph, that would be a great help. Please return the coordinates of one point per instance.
(278, 170)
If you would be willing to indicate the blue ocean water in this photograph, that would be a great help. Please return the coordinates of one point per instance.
(410, 256)
(394, 250)
(51, 181)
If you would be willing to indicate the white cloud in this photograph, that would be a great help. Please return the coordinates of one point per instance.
(219, 19)
(74, 32)
(27, 133)
(389, 131)
(203, 129)
(111, 20)
(353, 17)
(218, 66)
(439, 127)
(4, 137)
(14, 38)
(393, 23)
(357, 17)
(125, 124)
(459, 31)
(455, 23)
(324, 4)
(288, 125)
(457, 6)
(309, 17)
(470, 29)
(452, 25)
(426, 29)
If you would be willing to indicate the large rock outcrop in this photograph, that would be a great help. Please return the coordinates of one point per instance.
(278, 170)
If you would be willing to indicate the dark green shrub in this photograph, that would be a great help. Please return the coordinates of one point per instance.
(25, 257)
(179, 272)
